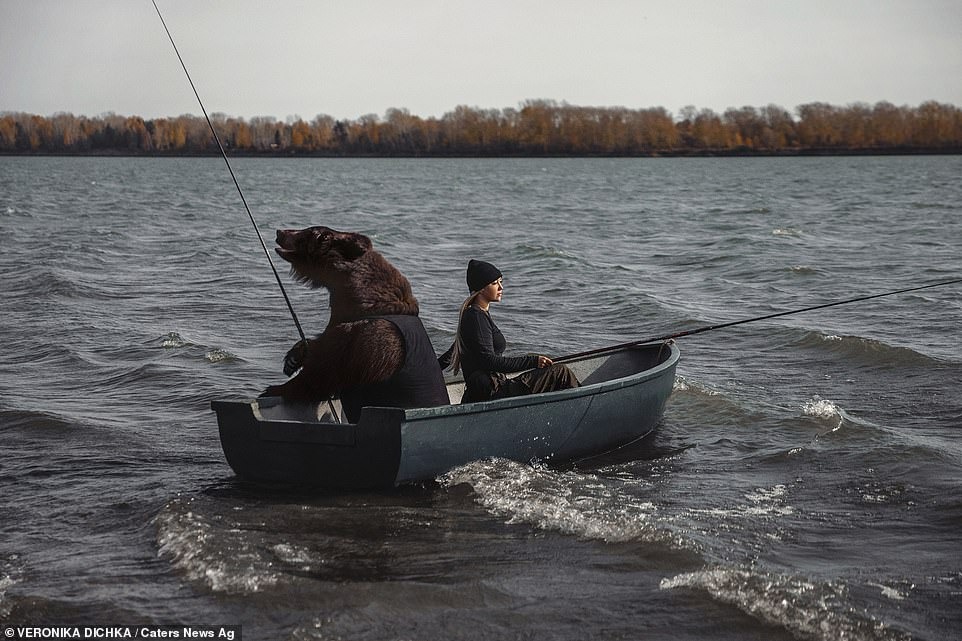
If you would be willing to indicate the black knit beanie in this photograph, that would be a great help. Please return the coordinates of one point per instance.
(481, 274)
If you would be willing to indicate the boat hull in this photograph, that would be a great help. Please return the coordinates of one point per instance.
(621, 400)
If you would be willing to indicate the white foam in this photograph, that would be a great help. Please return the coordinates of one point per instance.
(5, 583)
(809, 610)
(682, 384)
(223, 558)
(892, 593)
(173, 340)
(567, 502)
(769, 502)
(217, 355)
(787, 231)
(762, 502)
(11, 569)
(294, 555)
(821, 408)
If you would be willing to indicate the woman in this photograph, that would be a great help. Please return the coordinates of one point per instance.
(479, 345)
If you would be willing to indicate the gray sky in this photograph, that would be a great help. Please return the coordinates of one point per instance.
(348, 58)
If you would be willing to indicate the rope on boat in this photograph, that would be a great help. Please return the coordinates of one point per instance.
(708, 328)
(250, 215)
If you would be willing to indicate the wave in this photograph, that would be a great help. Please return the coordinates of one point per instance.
(176, 341)
(215, 554)
(596, 508)
(787, 231)
(865, 350)
(705, 403)
(541, 251)
(119, 380)
(808, 609)
(245, 547)
(762, 209)
(815, 419)
(761, 502)
(683, 384)
(830, 412)
(219, 356)
(822, 408)
(615, 511)
(570, 502)
(39, 283)
(26, 351)
(11, 570)
(705, 399)
(173, 340)
(34, 420)
(805, 270)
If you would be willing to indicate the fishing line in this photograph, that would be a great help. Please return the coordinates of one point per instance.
(250, 215)
(267, 253)
(708, 328)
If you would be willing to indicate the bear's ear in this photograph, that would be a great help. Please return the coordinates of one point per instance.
(351, 246)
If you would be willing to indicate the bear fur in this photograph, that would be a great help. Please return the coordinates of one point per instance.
(354, 349)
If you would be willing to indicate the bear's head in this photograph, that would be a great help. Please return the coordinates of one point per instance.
(318, 254)
(361, 281)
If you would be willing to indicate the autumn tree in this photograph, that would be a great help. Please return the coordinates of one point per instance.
(8, 133)
(537, 127)
(818, 125)
(936, 125)
(889, 125)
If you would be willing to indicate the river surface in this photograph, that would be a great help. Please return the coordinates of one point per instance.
(804, 482)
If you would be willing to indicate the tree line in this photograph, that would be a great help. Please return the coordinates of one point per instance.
(535, 128)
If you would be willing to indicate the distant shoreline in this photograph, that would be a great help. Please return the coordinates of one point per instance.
(723, 153)
(539, 129)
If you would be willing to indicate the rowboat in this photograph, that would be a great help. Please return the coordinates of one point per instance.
(621, 400)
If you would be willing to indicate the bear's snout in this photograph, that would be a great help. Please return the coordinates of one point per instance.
(286, 244)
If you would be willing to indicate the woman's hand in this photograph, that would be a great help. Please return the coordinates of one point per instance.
(544, 361)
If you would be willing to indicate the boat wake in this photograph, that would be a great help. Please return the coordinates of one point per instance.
(766, 504)
(683, 384)
(207, 550)
(571, 502)
(623, 509)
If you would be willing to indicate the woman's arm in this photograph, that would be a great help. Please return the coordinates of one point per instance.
(478, 336)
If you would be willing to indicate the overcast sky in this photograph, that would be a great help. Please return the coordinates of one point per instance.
(349, 58)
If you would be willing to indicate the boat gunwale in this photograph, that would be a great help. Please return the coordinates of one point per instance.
(407, 415)
(601, 387)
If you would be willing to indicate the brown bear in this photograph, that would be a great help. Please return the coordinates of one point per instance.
(374, 351)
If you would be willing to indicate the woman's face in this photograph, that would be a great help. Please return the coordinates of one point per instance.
(492, 292)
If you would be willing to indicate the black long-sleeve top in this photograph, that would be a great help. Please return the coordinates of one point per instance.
(483, 345)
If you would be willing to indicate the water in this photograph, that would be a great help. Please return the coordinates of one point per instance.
(804, 483)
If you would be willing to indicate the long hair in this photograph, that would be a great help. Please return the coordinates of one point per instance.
(458, 345)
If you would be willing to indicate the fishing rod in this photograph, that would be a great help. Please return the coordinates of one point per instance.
(708, 328)
(240, 191)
